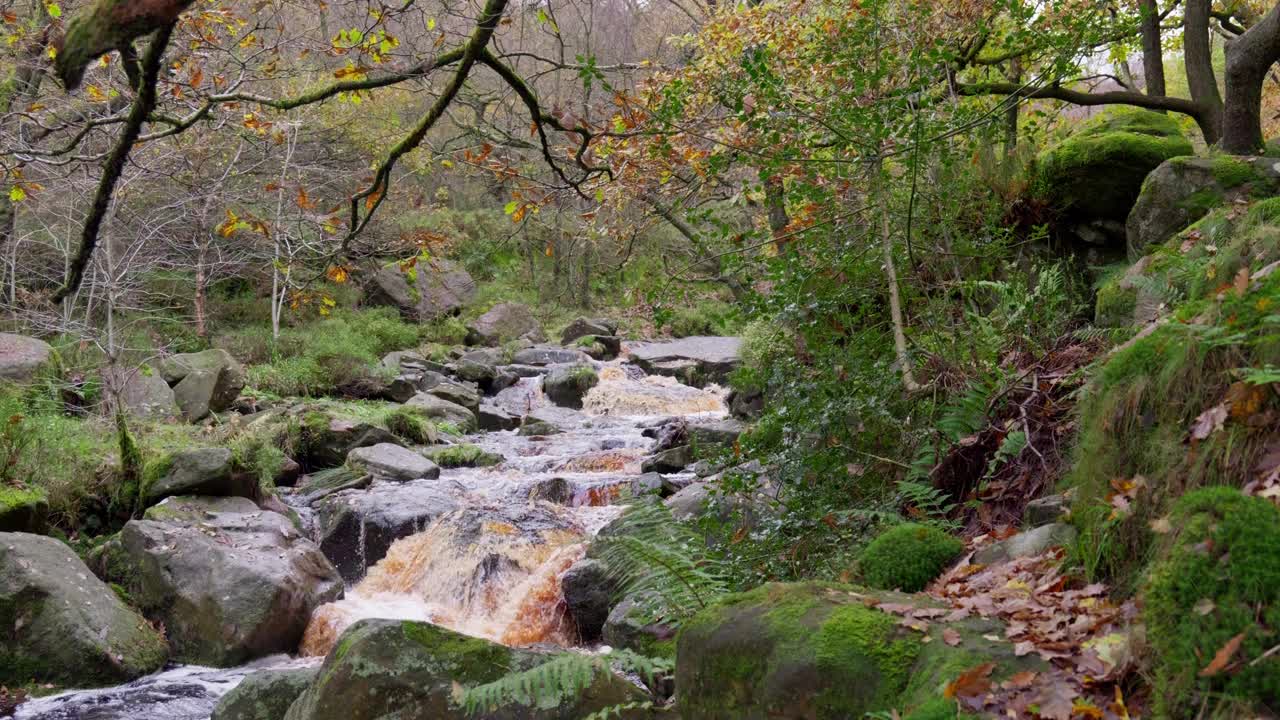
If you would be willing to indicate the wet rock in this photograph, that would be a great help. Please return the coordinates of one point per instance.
(62, 625)
(403, 669)
(697, 361)
(23, 510)
(501, 381)
(493, 418)
(21, 356)
(526, 371)
(462, 455)
(672, 484)
(566, 386)
(538, 428)
(833, 658)
(629, 626)
(357, 526)
(265, 695)
(583, 327)
(439, 288)
(1045, 510)
(326, 440)
(438, 408)
(205, 471)
(503, 323)
(229, 581)
(204, 382)
(548, 355)
(553, 490)
(669, 461)
(746, 404)
(1183, 190)
(601, 347)
(1027, 544)
(392, 462)
(457, 393)
(588, 593)
(650, 483)
(142, 391)
(721, 432)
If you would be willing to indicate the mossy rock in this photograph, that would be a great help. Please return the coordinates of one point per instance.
(462, 455)
(1224, 559)
(820, 651)
(906, 557)
(386, 668)
(23, 509)
(264, 695)
(1096, 172)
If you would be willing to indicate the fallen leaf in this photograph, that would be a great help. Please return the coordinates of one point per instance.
(1223, 657)
(971, 683)
(951, 637)
(1209, 422)
(1204, 606)
(1057, 701)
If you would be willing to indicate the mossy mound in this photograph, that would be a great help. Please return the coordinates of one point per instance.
(1182, 405)
(821, 651)
(23, 509)
(1219, 581)
(412, 425)
(1096, 173)
(907, 557)
(462, 455)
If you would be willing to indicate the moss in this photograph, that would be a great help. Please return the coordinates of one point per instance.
(12, 497)
(1115, 305)
(939, 709)
(464, 455)
(1224, 554)
(907, 557)
(1231, 171)
(412, 425)
(851, 636)
(1202, 201)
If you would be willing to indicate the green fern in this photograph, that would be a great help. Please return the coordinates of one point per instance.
(563, 678)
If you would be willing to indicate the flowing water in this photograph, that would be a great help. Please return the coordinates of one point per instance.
(489, 568)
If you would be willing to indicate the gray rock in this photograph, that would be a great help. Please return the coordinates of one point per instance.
(746, 405)
(588, 594)
(1183, 190)
(229, 581)
(538, 428)
(440, 288)
(628, 626)
(503, 323)
(399, 360)
(205, 471)
(526, 371)
(583, 327)
(567, 386)
(493, 418)
(1027, 544)
(712, 358)
(356, 527)
(465, 395)
(392, 462)
(62, 625)
(650, 483)
(475, 371)
(1045, 510)
(327, 440)
(438, 408)
(142, 391)
(721, 432)
(21, 356)
(265, 695)
(204, 382)
(689, 502)
(548, 355)
(669, 461)
(555, 490)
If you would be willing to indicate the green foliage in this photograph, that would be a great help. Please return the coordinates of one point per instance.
(907, 557)
(562, 679)
(1220, 580)
(259, 455)
(462, 455)
(413, 425)
(705, 317)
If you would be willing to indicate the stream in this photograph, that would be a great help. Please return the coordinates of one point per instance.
(488, 567)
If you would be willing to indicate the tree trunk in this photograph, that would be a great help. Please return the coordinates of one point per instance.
(1152, 50)
(1249, 58)
(776, 201)
(1197, 53)
(891, 276)
(1014, 73)
(202, 281)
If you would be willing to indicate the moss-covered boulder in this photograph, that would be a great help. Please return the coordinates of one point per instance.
(819, 651)
(1093, 176)
(906, 557)
(203, 471)
(566, 386)
(1184, 189)
(24, 509)
(60, 624)
(1218, 587)
(391, 669)
(265, 695)
(21, 357)
(503, 323)
(462, 455)
(204, 382)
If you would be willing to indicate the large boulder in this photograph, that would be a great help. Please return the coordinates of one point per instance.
(265, 695)
(427, 291)
(1184, 189)
(548, 355)
(820, 651)
(503, 323)
(1093, 176)
(22, 356)
(392, 462)
(383, 669)
(24, 509)
(204, 382)
(588, 594)
(587, 327)
(493, 418)
(60, 624)
(229, 581)
(697, 361)
(357, 527)
(327, 439)
(437, 408)
(142, 392)
(567, 386)
(204, 471)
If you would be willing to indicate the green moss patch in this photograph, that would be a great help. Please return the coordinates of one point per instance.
(907, 557)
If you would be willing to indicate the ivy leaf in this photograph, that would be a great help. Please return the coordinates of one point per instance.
(55, 11)
(17, 194)
(510, 207)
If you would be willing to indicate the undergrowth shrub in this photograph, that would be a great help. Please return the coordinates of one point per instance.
(1218, 586)
(906, 557)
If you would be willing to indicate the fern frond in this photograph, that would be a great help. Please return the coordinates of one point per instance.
(563, 678)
